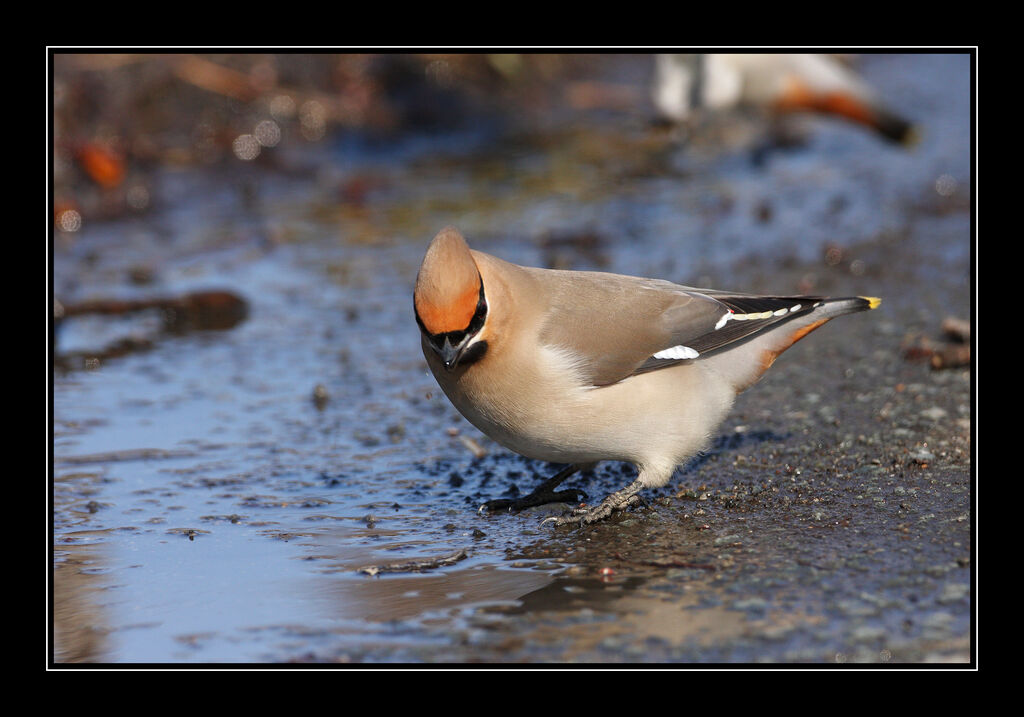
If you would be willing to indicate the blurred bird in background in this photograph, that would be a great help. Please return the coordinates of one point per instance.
(687, 85)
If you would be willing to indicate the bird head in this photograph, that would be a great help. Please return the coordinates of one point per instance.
(449, 300)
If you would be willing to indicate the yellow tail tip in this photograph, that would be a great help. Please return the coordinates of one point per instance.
(873, 301)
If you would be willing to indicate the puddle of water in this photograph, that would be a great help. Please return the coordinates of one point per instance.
(208, 508)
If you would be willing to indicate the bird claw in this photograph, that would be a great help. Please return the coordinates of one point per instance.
(494, 506)
(586, 516)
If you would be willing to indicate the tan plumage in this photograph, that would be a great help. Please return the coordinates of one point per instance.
(578, 367)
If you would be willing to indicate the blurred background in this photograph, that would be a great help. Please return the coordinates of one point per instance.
(251, 463)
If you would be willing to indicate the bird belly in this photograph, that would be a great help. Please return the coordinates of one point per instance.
(543, 411)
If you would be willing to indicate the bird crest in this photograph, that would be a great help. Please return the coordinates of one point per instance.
(448, 284)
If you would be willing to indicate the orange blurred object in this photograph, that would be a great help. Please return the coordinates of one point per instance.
(102, 164)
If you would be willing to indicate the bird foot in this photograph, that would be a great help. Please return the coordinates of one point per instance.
(619, 500)
(545, 493)
(538, 497)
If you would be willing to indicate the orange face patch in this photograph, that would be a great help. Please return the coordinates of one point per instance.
(454, 315)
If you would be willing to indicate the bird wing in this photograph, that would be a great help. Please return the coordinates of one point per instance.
(725, 320)
(618, 326)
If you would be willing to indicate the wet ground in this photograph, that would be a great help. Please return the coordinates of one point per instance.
(285, 483)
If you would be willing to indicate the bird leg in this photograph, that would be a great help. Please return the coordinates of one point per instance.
(619, 500)
(544, 493)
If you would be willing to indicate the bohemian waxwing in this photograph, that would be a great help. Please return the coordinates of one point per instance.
(687, 83)
(577, 367)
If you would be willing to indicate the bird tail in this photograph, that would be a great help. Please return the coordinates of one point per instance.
(753, 358)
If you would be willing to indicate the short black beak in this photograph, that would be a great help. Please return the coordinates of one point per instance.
(449, 354)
